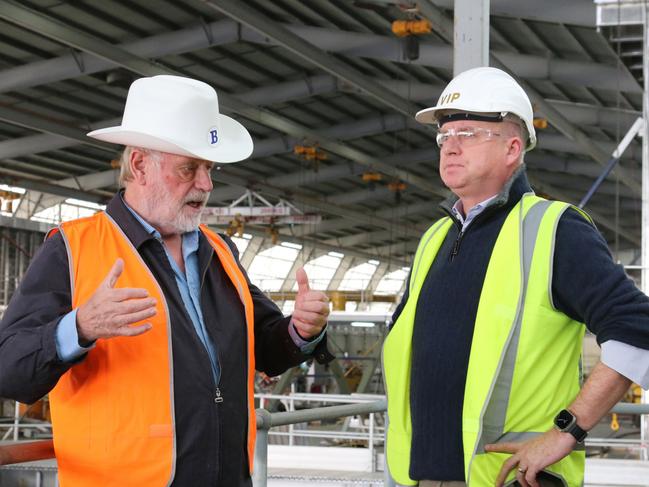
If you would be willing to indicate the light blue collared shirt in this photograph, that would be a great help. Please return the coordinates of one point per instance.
(458, 211)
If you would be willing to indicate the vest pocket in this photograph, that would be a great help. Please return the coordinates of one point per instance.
(544, 479)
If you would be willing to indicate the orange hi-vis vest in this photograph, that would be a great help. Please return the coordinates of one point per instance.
(113, 413)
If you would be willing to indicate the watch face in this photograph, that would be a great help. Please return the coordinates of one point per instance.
(564, 419)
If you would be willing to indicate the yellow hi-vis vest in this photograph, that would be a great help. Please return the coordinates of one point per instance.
(525, 360)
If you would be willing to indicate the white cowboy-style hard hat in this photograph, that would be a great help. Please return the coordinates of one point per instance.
(179, 116)
(483, 91)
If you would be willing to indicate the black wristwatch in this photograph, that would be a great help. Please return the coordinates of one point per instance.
(566, 422)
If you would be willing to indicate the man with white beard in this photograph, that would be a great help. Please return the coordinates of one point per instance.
(141, 324)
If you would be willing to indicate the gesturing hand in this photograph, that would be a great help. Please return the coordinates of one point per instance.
(311, 308)
(532, 456)
(111, 311)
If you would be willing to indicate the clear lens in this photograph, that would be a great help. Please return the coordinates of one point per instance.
(466, 137)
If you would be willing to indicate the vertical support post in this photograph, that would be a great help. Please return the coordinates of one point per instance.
(471, 35)
(291, 427)
(260, 469)
(339, 376)
(371, 442)
(16, 420)
(388, 481)
(254, 247)
(644, 421)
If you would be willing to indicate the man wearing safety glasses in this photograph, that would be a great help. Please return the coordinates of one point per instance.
(482, 363)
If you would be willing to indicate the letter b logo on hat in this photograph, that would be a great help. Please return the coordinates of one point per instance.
(213, 136)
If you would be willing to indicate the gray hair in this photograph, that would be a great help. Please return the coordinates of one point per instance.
(125, 174)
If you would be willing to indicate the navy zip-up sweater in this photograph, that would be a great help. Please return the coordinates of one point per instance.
(586, 285)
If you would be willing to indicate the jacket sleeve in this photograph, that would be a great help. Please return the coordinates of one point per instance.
(275, 350)
(591, 288)
(29, 364)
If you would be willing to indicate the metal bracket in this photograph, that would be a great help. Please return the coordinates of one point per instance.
(78, 58)
(208, 31)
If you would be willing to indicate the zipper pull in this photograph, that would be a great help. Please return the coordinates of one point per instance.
(456, 246)
(218, 397)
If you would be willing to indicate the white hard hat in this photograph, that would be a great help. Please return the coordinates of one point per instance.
(484, 91)
(179, 116)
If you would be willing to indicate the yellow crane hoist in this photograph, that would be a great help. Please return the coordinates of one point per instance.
(397, 187)
(403, 28)
(236, 226)
(310, 152)
(540, 123)
(6, 198)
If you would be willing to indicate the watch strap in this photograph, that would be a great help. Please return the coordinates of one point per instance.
(578, 432)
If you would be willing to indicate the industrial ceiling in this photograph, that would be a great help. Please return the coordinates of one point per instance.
(323, 74)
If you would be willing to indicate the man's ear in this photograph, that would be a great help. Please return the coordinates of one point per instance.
(138, 166)
(514, 149)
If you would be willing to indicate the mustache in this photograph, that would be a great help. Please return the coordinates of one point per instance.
(197, 196)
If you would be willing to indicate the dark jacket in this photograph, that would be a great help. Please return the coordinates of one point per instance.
(586, 285)
(210, 437)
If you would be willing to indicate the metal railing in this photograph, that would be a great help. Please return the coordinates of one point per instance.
(40, 450)
(296, 401)
(267, 420)
(44, 449)
(22, 422)
(26, 452)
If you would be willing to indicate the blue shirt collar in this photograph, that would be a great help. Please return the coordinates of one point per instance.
(458, 211)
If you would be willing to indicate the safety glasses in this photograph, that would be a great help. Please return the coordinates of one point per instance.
(466, 137)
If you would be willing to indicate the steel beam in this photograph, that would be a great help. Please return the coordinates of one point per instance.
(245, 15)
(324, 206)
(304, 255)
(400, 250)
(348, 43)
(560, 11)
(317, 244)
(471, 35)
(58, 31)
(401, 213)
(361, 238)
(72, 65)
(33, 122)
(345, 264)
(440, 56)
(85, 183)
(339, 376)
(43, 187)
(252, 250)
(292, 179)
(43, 25)
(578, 114)
(599, 219)
(381, 271)
(23, 224)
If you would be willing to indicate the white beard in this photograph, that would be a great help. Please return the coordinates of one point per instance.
(171, 217)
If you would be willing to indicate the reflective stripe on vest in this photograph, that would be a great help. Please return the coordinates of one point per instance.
(503, 398)
(112, 413)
